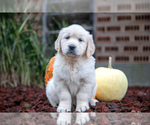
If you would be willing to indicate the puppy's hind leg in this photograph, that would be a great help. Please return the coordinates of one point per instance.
(92, 100)
(51, 93)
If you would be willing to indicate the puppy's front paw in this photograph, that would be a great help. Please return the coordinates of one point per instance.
(82, 118)
(82, 108)
(64, 119)
(63, 109)
(93, 102)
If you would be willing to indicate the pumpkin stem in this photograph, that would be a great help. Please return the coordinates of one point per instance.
(110, 62)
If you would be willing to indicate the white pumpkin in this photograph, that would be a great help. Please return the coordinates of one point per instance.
(112, 83)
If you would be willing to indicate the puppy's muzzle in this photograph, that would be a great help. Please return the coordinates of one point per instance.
(71, 49)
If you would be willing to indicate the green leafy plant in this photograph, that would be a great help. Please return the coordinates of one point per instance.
(22, 60)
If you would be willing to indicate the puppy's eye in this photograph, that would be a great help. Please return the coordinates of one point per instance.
(80, 40)
(67, 37)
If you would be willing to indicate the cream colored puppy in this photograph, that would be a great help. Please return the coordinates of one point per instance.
(73, 79)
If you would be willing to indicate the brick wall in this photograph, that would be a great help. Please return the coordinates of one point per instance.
(125, 37)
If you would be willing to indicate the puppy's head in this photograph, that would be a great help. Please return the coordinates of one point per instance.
(75, 41)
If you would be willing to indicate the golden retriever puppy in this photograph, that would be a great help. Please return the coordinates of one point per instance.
(73, 79)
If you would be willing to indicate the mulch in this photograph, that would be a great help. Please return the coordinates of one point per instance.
(27, 99)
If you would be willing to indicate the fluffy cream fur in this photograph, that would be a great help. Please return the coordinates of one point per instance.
(73, 79)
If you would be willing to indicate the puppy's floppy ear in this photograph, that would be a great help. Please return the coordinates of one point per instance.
(90, 47)
(58, 40)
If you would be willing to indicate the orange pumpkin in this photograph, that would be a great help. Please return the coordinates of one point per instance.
(49, 70)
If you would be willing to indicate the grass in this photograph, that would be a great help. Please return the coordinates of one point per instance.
(22, 55)
(22, 60)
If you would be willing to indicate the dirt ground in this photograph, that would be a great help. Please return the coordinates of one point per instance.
(22, 99)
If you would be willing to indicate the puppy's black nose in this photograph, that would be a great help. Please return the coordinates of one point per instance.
(72, 47)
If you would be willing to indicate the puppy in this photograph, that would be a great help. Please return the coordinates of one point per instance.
(74, 80)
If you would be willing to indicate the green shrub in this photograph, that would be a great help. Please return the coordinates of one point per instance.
(22, 60)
